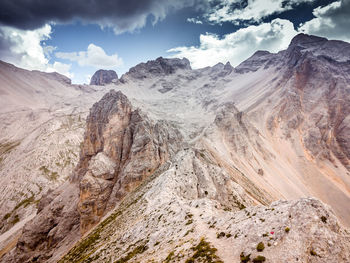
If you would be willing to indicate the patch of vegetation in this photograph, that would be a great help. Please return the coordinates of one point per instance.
(244, 258)
(259, 259)
(189, 231)
(287, 229)
(313, 252)
(228, 235)
(7, 216)
(324, 219)
(52, 176)
(25, 202)
(220, 235)
(169, 257)
(15, 220)
(260, 247)
(138, 250)
(190, 221)
(7, 147)
(262, 219)
(188, 216)
(203, 252)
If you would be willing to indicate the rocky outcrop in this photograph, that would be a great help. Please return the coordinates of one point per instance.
(159, 67)
(103, 77)
(121, 148)
(315, 99)
(53, 230)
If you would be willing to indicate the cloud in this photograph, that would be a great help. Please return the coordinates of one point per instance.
(25, 49)
(331, 21)
(194, 20)
(238, 46)
(252, 10)
(121, 15)
(94, 56)
(61, 68)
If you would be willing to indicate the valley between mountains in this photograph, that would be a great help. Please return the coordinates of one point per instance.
(172, 164)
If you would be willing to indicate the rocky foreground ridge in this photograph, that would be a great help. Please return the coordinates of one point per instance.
(182, 165)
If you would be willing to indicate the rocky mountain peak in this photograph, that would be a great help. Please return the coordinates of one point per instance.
(228, 67)
(260, 59)
(305, 41)
(103, 77)
(160, 66)
(320, 47)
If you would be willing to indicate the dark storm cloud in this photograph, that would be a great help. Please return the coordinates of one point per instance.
(122, 15)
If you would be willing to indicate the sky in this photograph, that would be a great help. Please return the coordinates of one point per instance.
(76, 38)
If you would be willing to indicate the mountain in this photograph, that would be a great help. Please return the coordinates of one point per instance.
(220, 164)
(102, 77)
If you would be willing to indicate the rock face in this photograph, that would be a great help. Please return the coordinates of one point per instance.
(121, 148)
(320, 115)
(160, 66)
(103, 77)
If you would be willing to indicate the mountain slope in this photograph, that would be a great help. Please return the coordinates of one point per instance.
(178, 154)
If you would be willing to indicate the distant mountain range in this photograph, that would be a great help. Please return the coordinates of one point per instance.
(172, 164)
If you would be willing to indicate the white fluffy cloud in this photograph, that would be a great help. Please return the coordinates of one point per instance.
(331, 21)
(238, 46)
(94, 56)
(24, 49)
(254, 10)
(194, 20)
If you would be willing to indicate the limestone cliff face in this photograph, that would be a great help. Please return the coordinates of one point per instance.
(316, 99)
(121, 148)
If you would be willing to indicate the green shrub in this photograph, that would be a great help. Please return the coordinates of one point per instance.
(259, 259)
(220, 235)
(324, 219)
(260, 247)
(7, 216)
(204, 253)
(287, 229)
(15, 220)
(244, 258)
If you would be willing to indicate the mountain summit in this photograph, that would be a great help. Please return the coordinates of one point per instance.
(103, 77)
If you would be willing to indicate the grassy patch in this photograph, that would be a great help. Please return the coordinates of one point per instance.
(259, 259)
(203, 252)
(7, 147)
(138, 250)
(15, 220)
(52, 176)
(260, 247)
(169, 257)
(244, 258)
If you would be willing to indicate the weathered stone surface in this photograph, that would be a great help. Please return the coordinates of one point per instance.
(132, 147)
(160, 66)
(103, 77)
